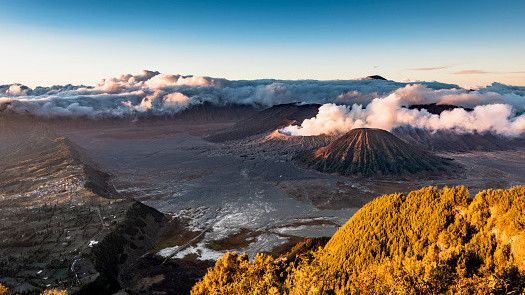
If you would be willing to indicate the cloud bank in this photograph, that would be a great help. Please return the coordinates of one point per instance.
(347, 103)
(492, 112)
(154, 93)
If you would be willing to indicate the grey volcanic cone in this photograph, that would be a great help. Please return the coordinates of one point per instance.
(369, 152)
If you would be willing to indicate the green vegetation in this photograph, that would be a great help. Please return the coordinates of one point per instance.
(425, 242)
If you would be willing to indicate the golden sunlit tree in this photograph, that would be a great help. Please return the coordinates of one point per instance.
(428, 241)
(55, 292)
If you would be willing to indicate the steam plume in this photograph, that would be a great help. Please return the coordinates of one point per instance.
(388, 113)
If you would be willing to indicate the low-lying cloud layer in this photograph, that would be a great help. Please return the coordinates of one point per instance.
(492, 112)
(154, 93)
(348, 103)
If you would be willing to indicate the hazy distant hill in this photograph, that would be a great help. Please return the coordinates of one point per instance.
(450, 141)
(436, 109)
(266, 120)
(208, 112)
(374, 77)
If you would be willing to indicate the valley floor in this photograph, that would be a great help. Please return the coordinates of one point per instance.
(253, 199)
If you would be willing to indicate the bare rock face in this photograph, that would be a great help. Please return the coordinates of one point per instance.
(370, 152)
(63, 225)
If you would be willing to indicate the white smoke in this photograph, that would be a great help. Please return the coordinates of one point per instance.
(388, 113)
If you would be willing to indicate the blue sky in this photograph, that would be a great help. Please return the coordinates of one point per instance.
(471, 43)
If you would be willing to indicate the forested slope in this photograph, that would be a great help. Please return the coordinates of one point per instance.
(425, 242)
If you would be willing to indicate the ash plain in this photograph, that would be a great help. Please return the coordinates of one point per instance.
(245, 195)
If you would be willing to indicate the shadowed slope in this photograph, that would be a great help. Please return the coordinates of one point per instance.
(449, 141)
(63, 225)
(266, 120)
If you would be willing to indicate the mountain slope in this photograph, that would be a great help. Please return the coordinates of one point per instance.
(428, 241)
(366, 152)
(269, 119)
(208, 112)
(63, 225)
(463, 244)
(448, 141)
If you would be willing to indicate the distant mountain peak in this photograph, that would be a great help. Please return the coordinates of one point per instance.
(374, 77)
(437, 109)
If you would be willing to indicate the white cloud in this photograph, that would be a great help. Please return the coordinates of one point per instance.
(152, 93)
(388, 113)
(175, 101)
(420, 94)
